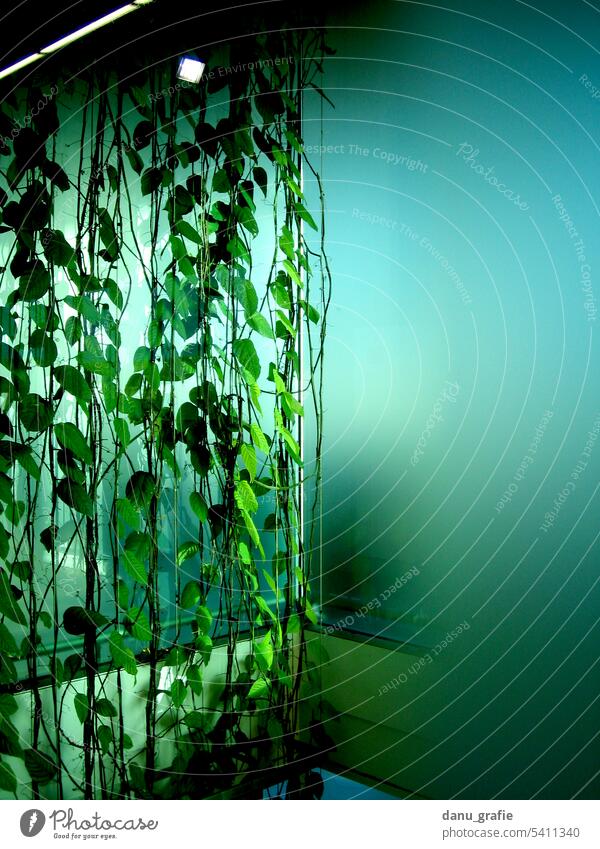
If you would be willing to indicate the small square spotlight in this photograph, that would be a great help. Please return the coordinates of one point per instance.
(190, 69)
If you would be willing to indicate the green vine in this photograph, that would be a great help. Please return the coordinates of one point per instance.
(163, 321)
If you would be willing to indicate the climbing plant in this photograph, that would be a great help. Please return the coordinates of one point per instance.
(163, 317)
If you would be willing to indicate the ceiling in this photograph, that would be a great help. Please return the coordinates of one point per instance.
(160, 30)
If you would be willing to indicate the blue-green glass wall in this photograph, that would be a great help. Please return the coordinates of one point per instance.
(461, 168)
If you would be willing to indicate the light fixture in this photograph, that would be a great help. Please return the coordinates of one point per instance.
(22, 63)
(190, 69)
(77, 34)
(94, 25)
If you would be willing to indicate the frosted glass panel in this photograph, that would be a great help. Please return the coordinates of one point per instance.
(461, 462)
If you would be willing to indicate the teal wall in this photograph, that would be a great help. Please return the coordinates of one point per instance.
(461, 167)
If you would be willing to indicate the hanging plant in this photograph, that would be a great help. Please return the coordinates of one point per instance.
(163, 319)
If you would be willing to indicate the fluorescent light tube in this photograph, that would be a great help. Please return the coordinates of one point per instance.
(22, 63)
(98, 24)
(74, 36)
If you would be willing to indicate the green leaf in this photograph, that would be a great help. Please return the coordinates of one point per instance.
(104, 707)
(152, 376)
(11, 359)
(127, 513)
(111, 396)
(188, 232)
(190, 595)
(258, 438)
(108, 235)
(122, 431)
(6, 488)
(73, 330)
(45, 618)
(84, 307)
(293, 624)
(74, 495)
(4, 542)
(311, 312)
(122, 594)
(56, 247)
(155, 333)
(305, 215)
(294, 187)
(245, 497)
(204, 644)
(82, 706)
(43, 318)
(114, 293)
(291, 405)
(264, 608)
(135, 160)
(187, 550)
(203, 619)
(252, 530)
(95, 364)
(195, 719)
(264, 652)
(34, 285)
(105, 736)
(292, 445)
(36, 413)
(310, 613)
(247, 220)
(178, 692)
(79, 620)
(139, 624)
(291, 270)
(139, 544)
(8, 323)
(237, 249)
(259, 323)
(187, 416)
(73, 382)
(249, 457)
(142, 358)
(194, 678)
(8, 602)
(287, 325)
(246, 295)
(40, 766)
(57, 176)
(8, 644)
(72, 666)
(140, 489)
(134, 384)
(259, 690)
(43, 348)
(199, 506)
(244, 554)
(135, 568)
(220, 182)
(8, 780)
(69, 436)
(151, 180)
(247, 357)
(260, 176)
(286, 243)
(123, 658)
(254, 390)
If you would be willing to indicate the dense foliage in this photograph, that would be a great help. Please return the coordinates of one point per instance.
(159, 307)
